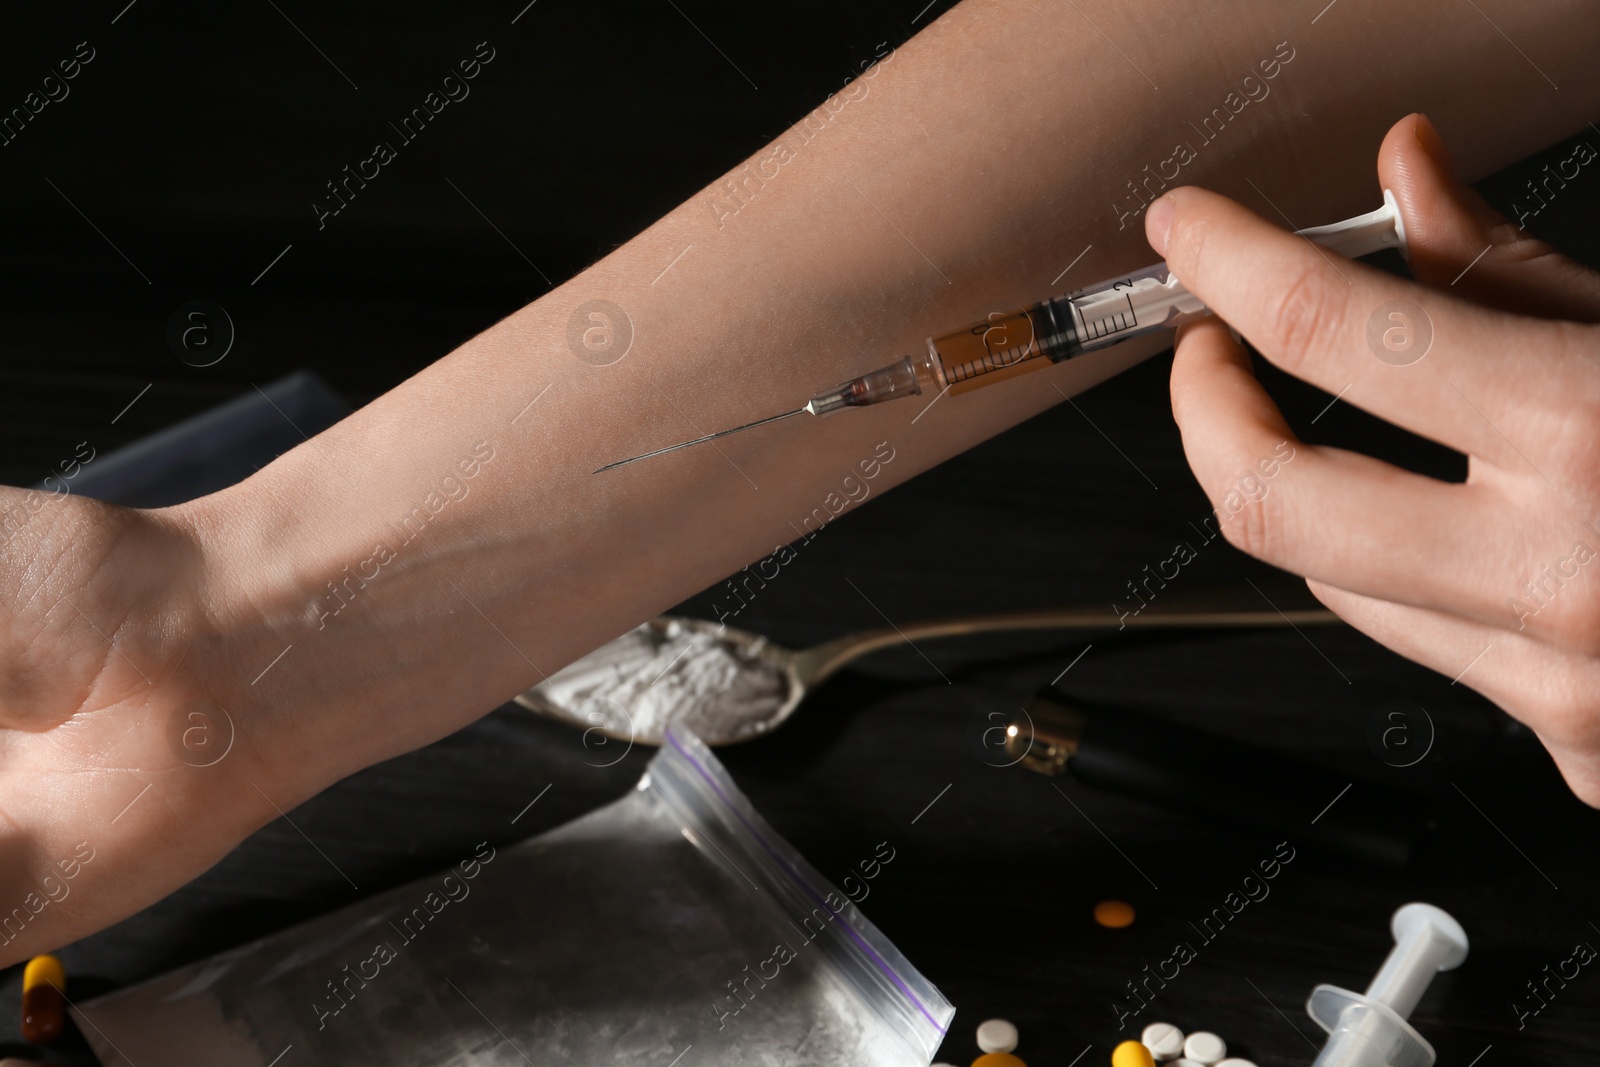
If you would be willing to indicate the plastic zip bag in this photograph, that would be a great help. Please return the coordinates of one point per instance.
(672, 927)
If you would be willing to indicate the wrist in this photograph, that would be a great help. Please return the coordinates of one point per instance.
(348, 644)
(255, 672)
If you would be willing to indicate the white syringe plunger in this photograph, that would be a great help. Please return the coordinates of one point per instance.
(1370, 1029)
(1426, 941)
(1362, 235)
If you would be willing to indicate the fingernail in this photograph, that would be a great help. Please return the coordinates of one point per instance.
(1433, 144)
(1158, 224)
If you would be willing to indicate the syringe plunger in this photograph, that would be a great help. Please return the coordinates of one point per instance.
(1426, 941)
(1370, 1029)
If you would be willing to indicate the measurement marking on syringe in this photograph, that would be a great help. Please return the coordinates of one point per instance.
(991, 361)
(1119, 321)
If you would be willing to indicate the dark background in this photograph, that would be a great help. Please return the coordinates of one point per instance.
(195, 142)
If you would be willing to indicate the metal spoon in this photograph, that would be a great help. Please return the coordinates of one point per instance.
(804, 669)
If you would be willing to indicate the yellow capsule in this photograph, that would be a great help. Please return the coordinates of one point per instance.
(998, 1059)
(44, 1001)
(1132, 1054)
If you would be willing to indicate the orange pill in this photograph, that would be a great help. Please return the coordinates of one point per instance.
(1114, 914)
(44, 1001)
(1132, 1054)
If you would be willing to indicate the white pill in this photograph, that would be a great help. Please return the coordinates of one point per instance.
(1204, 1047)
(1236, 1061)
(997, 1035)
(1164, 1041)
(1184, 1063)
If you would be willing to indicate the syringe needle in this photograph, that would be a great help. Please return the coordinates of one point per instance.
(701, 440)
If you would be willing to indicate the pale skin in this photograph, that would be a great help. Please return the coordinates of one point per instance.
(1495, 581)
(982, 158)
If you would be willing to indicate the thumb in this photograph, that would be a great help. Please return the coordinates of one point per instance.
(1458, 242)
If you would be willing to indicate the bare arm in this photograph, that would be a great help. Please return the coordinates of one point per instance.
(958, 176)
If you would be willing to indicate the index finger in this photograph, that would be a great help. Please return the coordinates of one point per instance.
(1328, 321)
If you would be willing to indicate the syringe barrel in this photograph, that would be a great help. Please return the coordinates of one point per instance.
(1365, 1037)
(1364, 1032)
(1001, 347)
(1011, 343)
(1117, 309)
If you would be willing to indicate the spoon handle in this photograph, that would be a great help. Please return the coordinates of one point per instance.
(820, 661)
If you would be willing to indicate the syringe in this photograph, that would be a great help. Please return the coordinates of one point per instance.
(1370, 1029)
(1007, 345)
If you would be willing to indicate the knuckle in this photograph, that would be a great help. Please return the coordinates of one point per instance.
(1305, 317)
(1252, 527)
(1561, 709)
(1559, 705)
(1565, 727)
(1547, 710)
(1572, 415)
(1585, 785)
(1576, 625)
(1574, 427)
(1512, 244)
(1578, 762)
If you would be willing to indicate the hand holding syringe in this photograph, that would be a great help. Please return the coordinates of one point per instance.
(1009, 345)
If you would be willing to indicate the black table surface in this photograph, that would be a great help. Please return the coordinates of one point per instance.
(996, 869)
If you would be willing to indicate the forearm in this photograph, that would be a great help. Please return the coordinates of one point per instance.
(960, 177)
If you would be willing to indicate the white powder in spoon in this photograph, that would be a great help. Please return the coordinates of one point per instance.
(653, 677)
